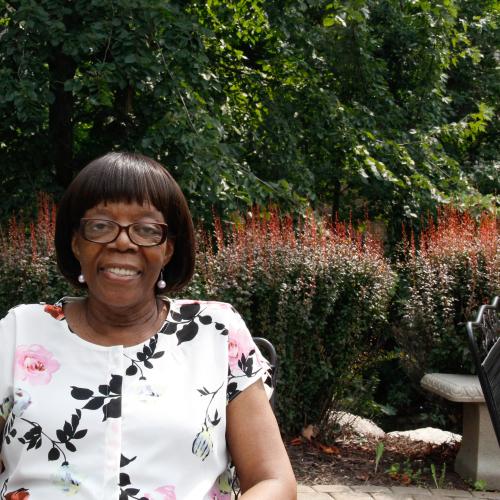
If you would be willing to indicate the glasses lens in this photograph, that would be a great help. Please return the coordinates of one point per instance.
(146, 233)
(99, 231)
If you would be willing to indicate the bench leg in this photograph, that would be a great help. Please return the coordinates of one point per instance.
(479, 454)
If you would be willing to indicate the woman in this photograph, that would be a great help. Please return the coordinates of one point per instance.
(126, 394)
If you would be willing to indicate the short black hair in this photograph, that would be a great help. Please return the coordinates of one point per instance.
(127, 177)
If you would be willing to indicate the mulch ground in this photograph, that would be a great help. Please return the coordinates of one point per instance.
(351, 461)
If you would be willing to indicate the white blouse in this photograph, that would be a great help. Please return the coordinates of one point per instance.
(140, 422)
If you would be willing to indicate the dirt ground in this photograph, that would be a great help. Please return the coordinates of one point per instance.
(351, 461)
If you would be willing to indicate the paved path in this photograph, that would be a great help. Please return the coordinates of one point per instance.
(329, 491)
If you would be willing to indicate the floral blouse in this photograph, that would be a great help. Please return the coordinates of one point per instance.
(140, 422)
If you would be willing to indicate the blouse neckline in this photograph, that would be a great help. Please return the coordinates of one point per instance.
(99, 347)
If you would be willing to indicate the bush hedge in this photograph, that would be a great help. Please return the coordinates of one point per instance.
(28, 271)
(444, 276)
(322, 293)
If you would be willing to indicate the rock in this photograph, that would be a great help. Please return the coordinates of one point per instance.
(427, 434)
(358, 425)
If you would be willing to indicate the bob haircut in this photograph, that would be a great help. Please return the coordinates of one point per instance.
(127, 177)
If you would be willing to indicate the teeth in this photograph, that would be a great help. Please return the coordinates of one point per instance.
(121, 272)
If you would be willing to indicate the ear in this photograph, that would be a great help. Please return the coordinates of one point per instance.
(169, 251)
(74, 246)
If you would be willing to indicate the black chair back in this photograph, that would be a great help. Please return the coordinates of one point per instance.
(484, 341)
(269, 352)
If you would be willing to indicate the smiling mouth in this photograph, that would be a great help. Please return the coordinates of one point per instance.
(120, 271)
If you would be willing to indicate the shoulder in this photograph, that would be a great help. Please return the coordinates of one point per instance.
(25, 310)
(30, 315)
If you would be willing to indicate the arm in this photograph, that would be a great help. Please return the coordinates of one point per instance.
(256, 447)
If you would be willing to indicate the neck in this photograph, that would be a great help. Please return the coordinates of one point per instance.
(124, 325)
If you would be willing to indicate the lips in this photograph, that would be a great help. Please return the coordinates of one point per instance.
(121, 271)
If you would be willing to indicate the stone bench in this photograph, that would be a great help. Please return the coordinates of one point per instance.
(479, 454)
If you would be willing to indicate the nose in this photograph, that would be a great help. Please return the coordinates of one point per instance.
(123, 242)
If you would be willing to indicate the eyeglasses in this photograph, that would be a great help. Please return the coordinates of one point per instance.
(143, 234)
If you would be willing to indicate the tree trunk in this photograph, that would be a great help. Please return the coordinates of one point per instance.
(335, 199)
(61, 68)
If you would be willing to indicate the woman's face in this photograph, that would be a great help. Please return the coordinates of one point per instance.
(121, 273)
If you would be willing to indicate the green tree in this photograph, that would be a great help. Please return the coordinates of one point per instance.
(376, 106)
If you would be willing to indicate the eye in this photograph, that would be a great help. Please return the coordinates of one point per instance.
(99, 225)
(148, 230)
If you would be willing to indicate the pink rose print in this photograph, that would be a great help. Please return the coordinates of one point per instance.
(36, 363)
(240, 343)
(166, 492)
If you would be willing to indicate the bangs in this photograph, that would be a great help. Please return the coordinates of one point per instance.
(115, 178)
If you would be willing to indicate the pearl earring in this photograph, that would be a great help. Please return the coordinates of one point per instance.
(161, 283)
(81, 278)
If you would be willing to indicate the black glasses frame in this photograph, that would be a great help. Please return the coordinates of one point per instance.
(164, 228)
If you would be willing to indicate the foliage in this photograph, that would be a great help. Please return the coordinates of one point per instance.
(443, 282)
(319, 294)
(323, 294)
(28, 271)
(404, 473)
(381, 106)
(379, 451)
(438, 481)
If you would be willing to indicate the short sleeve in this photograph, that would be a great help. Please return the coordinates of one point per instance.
(246, 364)
(7, 343)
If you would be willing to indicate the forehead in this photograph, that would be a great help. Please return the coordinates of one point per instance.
(124, 211)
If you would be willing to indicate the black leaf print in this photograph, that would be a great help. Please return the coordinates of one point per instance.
(232, 390)
(113, 409)
(111, 391)
(219, 326)
(189, 311)
(124, 461)
(216, 419)
(104, 389)
(94, 403)
(115, 384)
(169, 328)
(33, 437)
(68, 430)
(132, 491)
(131, 370)
(187, 332)
(206, 320)
(81, 393)
(144, 356)
(203, 444)
(224, 332)
(70, 446)
(124, 479)
(54, 454)
(127, 493)
(248, 367)
(61, 435)
(175, 316)
(80, 434)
